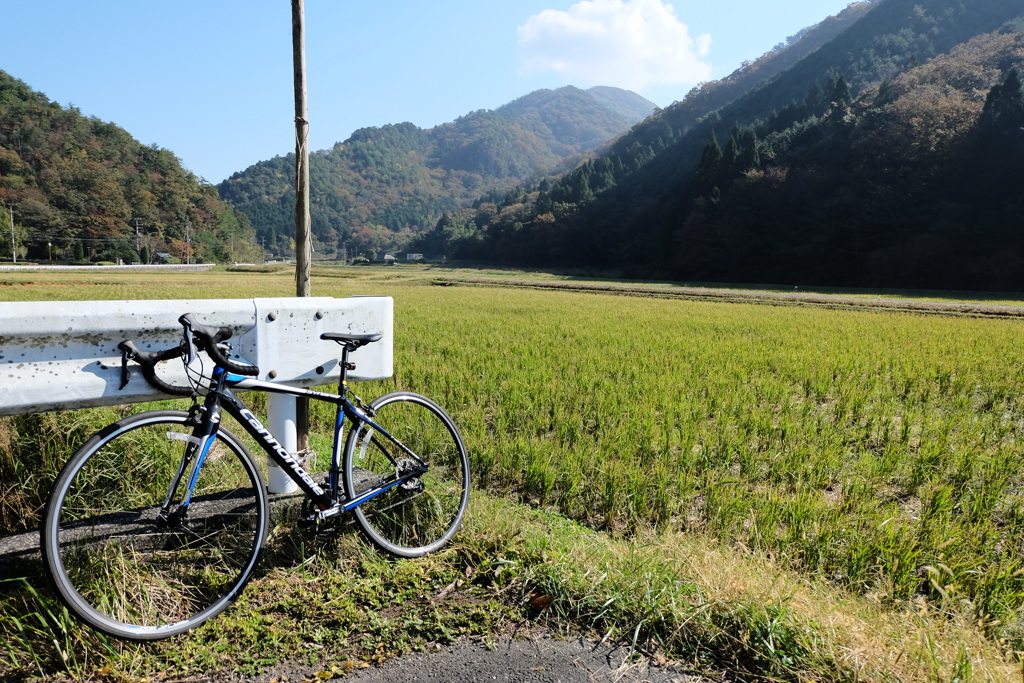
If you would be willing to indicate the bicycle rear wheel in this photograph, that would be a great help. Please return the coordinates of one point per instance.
(421, 514)
(117, 563)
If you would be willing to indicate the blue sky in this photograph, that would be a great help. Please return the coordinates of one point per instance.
(211, 80)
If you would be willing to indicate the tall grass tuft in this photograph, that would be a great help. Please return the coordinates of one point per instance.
(42, 635)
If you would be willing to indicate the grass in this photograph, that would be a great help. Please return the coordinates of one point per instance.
(315, 604)
(327, 607)
(853, 476)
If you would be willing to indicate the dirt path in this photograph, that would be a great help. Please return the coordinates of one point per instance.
(769, 297)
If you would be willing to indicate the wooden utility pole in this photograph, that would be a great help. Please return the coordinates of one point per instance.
(303, 241)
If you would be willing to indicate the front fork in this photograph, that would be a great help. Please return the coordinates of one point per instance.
(205, 421)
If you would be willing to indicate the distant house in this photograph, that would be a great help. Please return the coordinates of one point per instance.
(163, 256)
(389, 259)
(414, 257)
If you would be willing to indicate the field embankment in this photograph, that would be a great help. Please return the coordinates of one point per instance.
(909, 302)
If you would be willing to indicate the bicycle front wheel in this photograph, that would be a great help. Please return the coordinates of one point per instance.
(129, 567)
(422, 513)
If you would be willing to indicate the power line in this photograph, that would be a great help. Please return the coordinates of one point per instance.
(55, 237)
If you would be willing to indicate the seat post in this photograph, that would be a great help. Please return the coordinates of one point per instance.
(344, 369)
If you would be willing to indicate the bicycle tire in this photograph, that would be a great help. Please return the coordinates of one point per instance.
(121, 570)
(421, 515)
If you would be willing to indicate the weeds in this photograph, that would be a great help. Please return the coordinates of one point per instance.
(315, 603)
(41, 634)
(724, 612)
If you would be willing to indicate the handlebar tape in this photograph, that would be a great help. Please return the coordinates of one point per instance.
(147, 360)
(207, 338)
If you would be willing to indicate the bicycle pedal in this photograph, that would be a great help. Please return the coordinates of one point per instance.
(312, 526)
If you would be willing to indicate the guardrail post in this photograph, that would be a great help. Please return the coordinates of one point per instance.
(282, 424)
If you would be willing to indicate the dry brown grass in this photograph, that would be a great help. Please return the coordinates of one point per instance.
(690, 581)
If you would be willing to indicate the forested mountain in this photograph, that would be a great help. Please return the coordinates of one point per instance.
(883, 147)
(890, 155)
(381, 187)
(85, 190)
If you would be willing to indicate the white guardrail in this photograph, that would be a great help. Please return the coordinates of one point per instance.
(63, 355)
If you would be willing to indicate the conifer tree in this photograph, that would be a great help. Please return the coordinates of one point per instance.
(710, 166)
(841, 95)
(750, 157)
(1003, 116)
(1001, 137)
(887, 93)
(731, 155)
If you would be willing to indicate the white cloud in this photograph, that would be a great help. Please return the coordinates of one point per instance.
(631, 44)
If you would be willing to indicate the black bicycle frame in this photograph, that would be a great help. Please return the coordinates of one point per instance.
(220, 396)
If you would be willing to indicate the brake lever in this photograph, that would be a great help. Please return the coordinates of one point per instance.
(125, 375)
(189, 343)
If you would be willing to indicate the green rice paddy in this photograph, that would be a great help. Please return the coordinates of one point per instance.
(878, 451)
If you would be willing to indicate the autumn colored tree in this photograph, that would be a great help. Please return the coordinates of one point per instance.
(75, 178)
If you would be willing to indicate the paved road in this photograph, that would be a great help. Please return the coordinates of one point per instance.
(540, 659)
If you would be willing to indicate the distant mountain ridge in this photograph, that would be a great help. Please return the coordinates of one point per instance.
(383, 185)
(855, 165)
(882, 147)
(626, 102)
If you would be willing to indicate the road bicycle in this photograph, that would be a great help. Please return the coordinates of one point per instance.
(156, 523)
